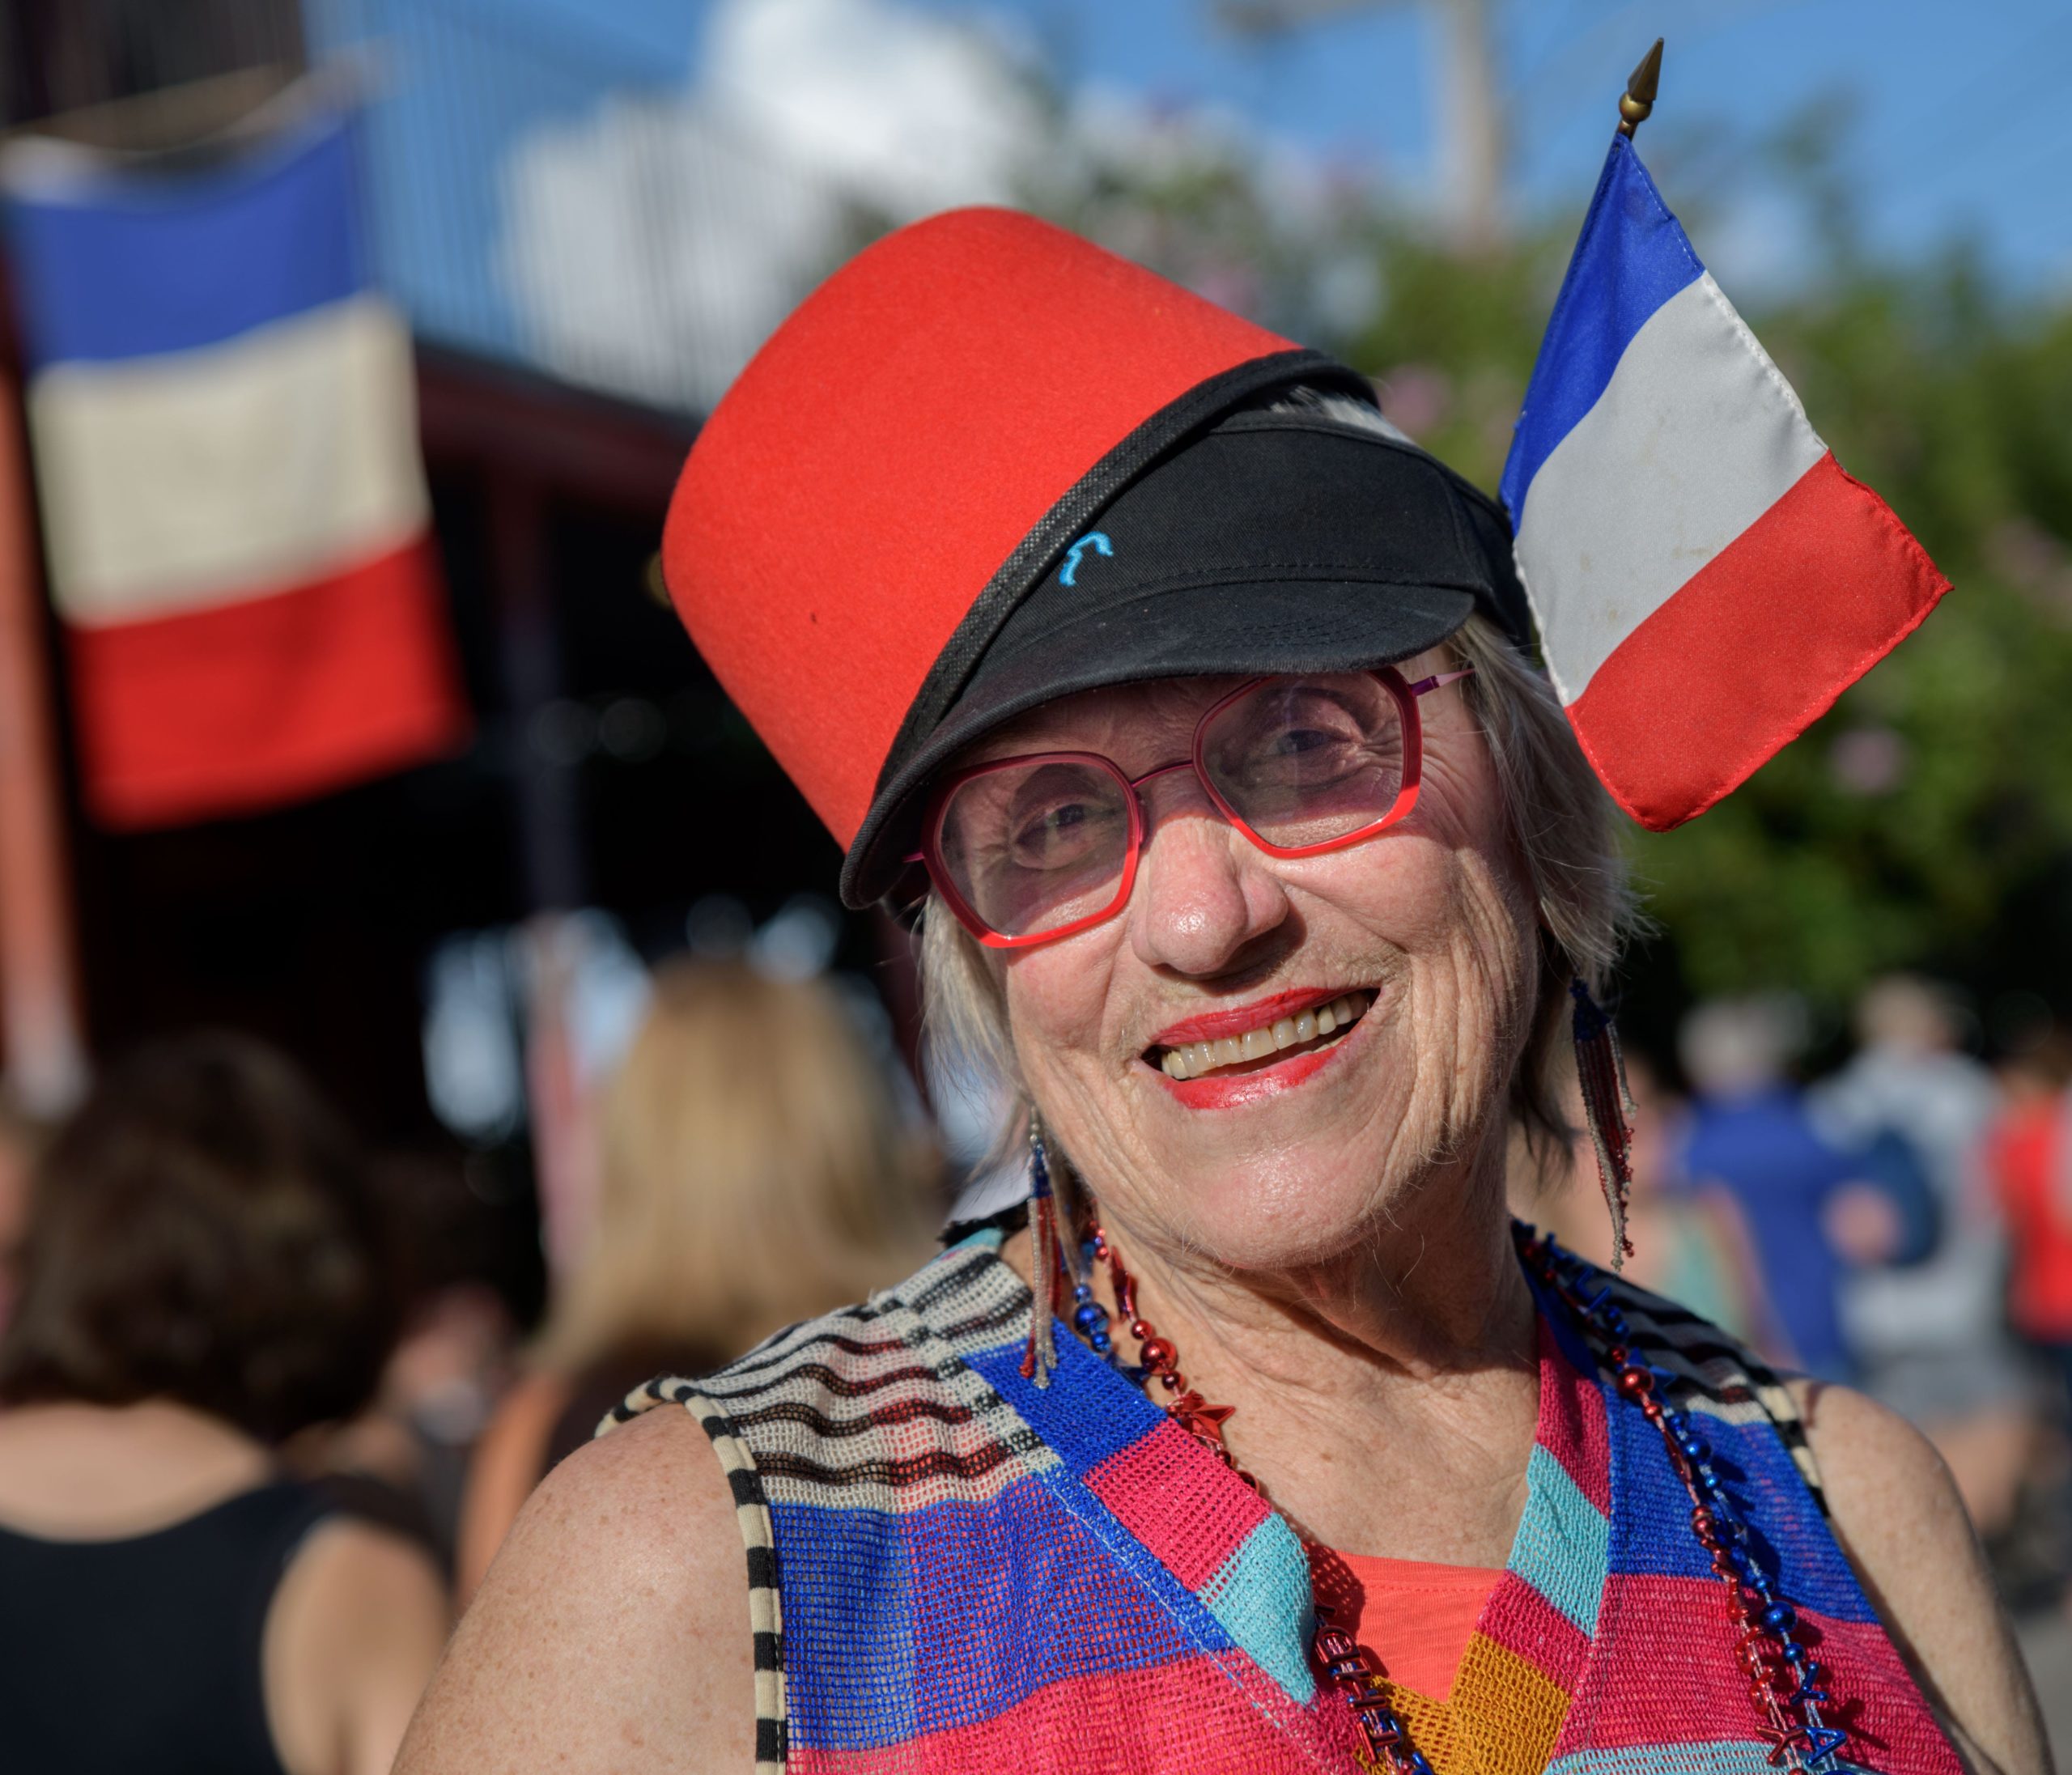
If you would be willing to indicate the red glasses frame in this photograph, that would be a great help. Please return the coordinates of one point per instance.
(930, 855)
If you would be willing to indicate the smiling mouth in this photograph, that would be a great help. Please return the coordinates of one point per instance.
(1312, 1030)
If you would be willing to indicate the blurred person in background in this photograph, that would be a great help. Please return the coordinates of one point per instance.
(404, 1461)
(21, 1139)
(201, 1277)
(1692, 1246)
(1928, 1336)
(756, 1171)
(2028, 1161)
(1812, 1206)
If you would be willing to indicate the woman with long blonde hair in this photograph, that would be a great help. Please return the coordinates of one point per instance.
(756, 1171)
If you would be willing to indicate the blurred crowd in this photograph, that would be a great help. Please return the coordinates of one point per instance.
(266, 1416)
(1902, 1224)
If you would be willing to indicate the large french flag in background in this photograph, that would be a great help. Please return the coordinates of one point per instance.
(1706, 578)
(222, 415)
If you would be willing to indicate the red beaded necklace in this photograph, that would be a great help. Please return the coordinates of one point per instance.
(1786, 1684)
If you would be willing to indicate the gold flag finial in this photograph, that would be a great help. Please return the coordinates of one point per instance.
(1639, 100)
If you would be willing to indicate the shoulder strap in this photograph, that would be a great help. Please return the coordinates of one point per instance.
(766, 1608)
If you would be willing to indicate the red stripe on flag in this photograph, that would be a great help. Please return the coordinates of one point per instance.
(249, 705)
(1754, 648)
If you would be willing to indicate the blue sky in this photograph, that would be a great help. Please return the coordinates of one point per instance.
(1956, 120)
(1960, 115)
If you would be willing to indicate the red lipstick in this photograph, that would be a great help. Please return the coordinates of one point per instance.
(1232, 1091)
(1214, 1025)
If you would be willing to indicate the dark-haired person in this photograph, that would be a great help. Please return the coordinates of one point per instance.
(201, 1276)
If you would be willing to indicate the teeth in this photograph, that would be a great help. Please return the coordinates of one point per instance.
(1191, 1059)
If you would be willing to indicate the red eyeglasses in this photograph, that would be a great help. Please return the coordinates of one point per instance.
(1029, 849)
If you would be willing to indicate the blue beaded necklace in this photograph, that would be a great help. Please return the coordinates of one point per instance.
(1786, 1684)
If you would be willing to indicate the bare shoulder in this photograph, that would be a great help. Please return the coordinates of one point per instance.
(348, 1569)
(1899, 1519)
(612, 1632)
(354, 1632)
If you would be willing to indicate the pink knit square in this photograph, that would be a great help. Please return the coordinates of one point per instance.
(1180, 1500)
(1572, 1427)
(1521, 1620)
(1665, 1674)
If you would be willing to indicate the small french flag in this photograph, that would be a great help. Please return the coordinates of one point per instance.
(1706, 578)
(223, 409)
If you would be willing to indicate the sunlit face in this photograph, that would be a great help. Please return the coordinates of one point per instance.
(1293, 1133)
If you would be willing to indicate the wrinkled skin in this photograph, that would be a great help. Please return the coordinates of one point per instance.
(1433, 915)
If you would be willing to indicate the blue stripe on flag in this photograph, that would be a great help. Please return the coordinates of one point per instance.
(128, 267)
(1632, 257)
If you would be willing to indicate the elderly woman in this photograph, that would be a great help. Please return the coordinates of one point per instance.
(1262, 860)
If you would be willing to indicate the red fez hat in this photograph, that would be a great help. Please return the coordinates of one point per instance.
(916, 450)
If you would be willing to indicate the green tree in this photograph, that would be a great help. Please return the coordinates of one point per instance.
(1939, 792)
(1907, 827)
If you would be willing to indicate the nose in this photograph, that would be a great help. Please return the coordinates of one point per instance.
(1203, 891)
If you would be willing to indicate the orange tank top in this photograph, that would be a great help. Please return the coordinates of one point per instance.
(1415, 1617)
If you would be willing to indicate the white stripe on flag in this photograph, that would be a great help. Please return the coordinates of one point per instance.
(197, 478)
(1695, 437)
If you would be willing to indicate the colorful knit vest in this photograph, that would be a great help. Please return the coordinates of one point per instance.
(950, 1569)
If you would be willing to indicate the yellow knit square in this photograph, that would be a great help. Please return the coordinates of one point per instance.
(1507, 1710)
(1502, 1719)
(1433, 1729)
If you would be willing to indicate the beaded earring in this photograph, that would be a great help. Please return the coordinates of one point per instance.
(1602, 1073)
(1045, 1260)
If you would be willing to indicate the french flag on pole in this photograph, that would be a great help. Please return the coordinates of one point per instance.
(222, 415)
(1706, 578)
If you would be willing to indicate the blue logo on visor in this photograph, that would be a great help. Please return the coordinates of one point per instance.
(1093, 540)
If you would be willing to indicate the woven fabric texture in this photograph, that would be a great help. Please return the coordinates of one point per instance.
(977, 1574)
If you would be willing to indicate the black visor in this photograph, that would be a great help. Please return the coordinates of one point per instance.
(1275, 542)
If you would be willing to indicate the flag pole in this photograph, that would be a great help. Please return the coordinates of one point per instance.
(40, 1029)
(1642, 85)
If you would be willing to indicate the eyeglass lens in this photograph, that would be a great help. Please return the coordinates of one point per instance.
(1036, 845)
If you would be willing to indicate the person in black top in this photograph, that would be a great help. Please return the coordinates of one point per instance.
(201, 1276)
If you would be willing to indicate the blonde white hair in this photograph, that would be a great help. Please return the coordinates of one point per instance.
(755, 1172)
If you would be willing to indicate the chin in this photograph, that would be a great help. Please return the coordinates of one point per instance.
(1288, 1215)
(1285, 1183)
(1298, 1176)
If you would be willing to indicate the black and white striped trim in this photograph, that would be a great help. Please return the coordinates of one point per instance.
(1722, 1378)
(766, 1608)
